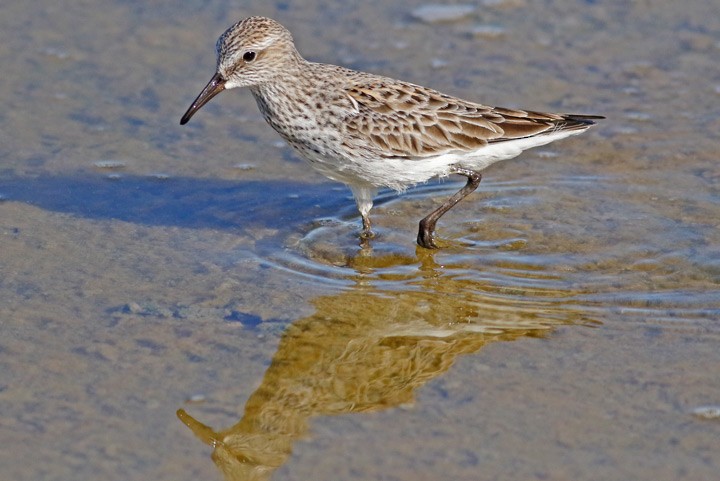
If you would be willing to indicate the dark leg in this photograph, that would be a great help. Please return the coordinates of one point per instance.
(366, 233)
(364, 194)
(426, 232)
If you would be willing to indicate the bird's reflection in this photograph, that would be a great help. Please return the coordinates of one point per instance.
(366, 349)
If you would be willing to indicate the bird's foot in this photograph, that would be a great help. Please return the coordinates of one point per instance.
(426, 236)
(367, 234)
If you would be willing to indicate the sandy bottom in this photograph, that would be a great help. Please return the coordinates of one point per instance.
(162, 287)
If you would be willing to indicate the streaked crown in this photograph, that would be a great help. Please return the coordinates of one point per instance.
(253, 51)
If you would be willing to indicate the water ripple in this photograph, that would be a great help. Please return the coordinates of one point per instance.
(512, 250)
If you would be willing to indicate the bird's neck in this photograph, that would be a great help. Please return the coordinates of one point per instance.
(284, 86)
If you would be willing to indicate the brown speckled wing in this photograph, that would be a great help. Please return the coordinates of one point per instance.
(406, 120)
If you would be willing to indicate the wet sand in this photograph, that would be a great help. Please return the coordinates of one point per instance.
(568, 331)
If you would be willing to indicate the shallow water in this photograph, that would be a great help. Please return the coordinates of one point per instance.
(147, 268)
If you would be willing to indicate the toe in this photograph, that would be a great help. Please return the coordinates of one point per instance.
(426, 240)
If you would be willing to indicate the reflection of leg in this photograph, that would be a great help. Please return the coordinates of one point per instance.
(426, 231)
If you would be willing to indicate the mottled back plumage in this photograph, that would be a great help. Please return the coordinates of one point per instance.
(406, 120)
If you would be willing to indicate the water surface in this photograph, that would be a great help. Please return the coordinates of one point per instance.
(569, 329)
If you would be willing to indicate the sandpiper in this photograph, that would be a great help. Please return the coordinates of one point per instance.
(369, 131)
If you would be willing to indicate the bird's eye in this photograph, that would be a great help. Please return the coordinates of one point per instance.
(249, 56)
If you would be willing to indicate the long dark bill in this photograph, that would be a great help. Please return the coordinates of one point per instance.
(214, 87)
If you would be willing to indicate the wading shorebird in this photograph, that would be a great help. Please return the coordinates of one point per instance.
(369, 131)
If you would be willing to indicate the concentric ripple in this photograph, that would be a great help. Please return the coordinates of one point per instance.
(542, 249)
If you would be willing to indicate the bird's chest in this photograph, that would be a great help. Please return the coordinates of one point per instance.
(306, 121)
